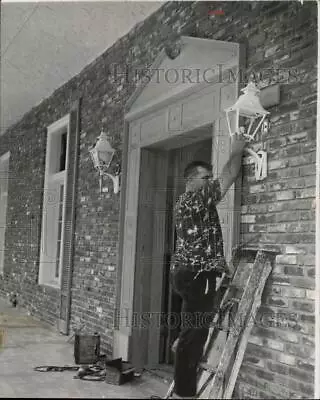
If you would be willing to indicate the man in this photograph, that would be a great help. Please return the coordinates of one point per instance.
(199, 260)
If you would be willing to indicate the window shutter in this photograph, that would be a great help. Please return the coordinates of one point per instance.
(69, 225)
(4, 171)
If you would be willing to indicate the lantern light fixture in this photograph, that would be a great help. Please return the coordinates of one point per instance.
(248, 112)
(102, 155)
(247, 116)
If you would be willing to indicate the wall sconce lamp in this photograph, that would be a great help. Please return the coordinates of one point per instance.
(247, 116)
(102, 154)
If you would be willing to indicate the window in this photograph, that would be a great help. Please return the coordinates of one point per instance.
(63, 151)
(4, 175)
(53, 211)
(59, 238)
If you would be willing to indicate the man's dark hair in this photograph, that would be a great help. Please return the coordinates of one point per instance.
(193, 166)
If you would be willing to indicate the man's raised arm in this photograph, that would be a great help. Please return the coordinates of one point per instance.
(231, 169)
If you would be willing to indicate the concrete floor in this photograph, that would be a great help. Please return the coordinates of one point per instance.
(27, 343)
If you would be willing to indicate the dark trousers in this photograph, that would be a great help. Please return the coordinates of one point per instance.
(196, 316)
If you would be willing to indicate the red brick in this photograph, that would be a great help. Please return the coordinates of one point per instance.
(310, 272)
(308, 340)
(307, 318)
(288, 336)
(293, 292)
(287, 359)
(293, 271)
(304, 159)
(306, 366)
(275, 186)
(284, 173)
(307, 192)
(257, 208)
(300, 351)
(277, 368)
(257, 228)
(303, 282)
(277, 164)
(302, 183)
(277, 228)
(301, 375)
(277, 302)
(276, 143)
(306, 215)
(308, 170)
(265, 219)
(303, 306)
(252, 360)
(258, 351)
(286, 216)
(286, 195)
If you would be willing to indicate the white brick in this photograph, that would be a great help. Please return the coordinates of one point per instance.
(255, 340)
(287, 195)
(293, 250)
(248, 219)
(287, 359)
(275, 164)
(310, 294)
(305, 193)
(273, 344)
(293, 292)
(257, 188)
(286, 259)
(288, 336)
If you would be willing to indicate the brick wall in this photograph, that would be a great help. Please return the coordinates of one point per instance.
(281, 43)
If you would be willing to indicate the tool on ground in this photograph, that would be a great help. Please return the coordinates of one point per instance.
(86, 348)
(92, 366)
(228, 337)
(54, 368)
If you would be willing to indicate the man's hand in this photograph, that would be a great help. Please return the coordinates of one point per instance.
(229, 270)
(238, 143)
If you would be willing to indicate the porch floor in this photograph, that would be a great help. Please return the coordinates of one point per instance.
(26, 343)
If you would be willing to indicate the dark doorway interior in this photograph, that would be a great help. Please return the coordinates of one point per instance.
(171, 302)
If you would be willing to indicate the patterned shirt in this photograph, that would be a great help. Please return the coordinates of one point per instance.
(199, 242)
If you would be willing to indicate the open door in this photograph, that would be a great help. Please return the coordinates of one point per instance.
(171, 304)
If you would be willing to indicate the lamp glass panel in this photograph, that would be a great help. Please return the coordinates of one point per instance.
(95, 158)
(105, 157)
(233, 121)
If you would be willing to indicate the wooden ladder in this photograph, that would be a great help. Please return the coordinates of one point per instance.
(230, 331)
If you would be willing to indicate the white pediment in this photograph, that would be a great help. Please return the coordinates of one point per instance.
(199, 61)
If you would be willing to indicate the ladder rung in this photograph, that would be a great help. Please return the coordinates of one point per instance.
(207, 367)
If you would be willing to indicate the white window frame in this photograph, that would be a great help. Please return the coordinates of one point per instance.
(4, 187)
(47, 267)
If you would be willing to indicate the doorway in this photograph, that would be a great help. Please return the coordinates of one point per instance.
(178, 159)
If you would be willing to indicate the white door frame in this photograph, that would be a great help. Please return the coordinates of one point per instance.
(178, 114)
